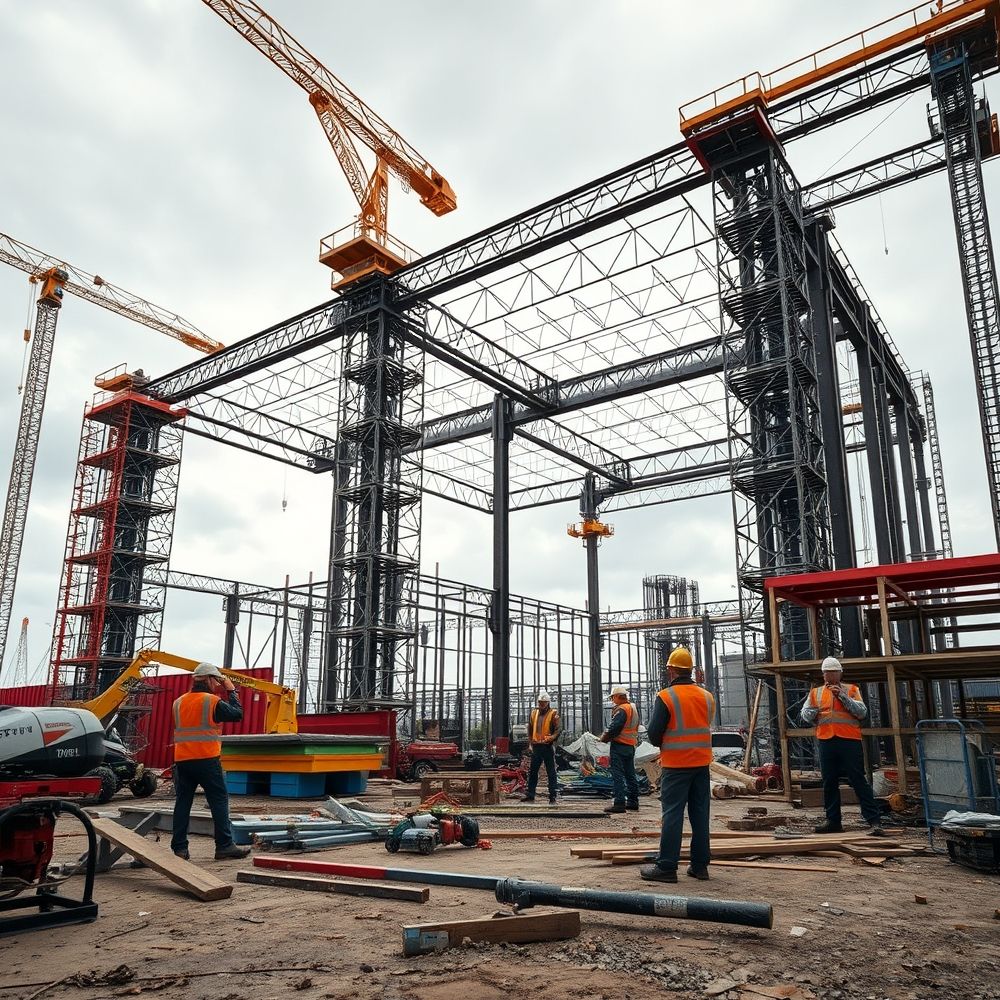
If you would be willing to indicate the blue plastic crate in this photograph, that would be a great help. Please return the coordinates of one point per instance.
(347, 782)
(246, 783)
(297, 786)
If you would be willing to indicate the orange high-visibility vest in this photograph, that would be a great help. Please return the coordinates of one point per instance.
(833, 718)
(544, 727)
(196, 733)
(630, 732)
(687, 741)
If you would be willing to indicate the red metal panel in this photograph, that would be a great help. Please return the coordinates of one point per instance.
(159, 725)
(31, 696)
(929, 574)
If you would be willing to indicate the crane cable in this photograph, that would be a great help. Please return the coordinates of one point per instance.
(27, 334)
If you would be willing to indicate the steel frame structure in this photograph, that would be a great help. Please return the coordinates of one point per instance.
(604, 347)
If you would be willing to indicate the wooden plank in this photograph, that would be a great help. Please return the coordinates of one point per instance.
(380, 890)
(201, 884)
(782, 709)
(570, 834)
(752, 728)
(776, 867)
(539, 925)
(894, 720)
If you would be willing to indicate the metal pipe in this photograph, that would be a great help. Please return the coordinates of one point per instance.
(644, 904)
(525, 894)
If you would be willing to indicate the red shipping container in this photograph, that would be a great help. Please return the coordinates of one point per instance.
(159, 724)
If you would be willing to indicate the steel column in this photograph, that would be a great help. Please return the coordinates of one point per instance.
(503, 432)
(589, 501)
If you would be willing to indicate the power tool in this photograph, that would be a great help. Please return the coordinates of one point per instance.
(424, 833)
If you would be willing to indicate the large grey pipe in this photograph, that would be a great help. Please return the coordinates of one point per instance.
(644, 904)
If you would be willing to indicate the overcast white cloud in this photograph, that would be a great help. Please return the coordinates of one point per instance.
(146, 142)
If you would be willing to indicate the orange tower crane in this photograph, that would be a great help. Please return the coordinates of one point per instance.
(365, 246)
(56, 279)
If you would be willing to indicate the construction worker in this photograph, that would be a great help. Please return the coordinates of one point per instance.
(836, 709)
(681, 723)
(198, 719)
(543, 731)
(623, 735)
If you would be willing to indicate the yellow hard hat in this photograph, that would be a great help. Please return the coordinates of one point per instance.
(680, 659)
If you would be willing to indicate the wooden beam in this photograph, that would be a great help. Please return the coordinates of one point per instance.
(380, 890)
(752, 727)
(775, 631)
(199, 883)
(539, 925)
(901, 594)
(814, 630)
(786, 767)
(897, 739)
(883, 608)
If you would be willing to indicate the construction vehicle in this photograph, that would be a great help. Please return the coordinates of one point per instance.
(364, 247)
(425, 833)
(56, 279)
(281, 701)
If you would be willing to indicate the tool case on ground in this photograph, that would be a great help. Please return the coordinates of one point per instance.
(974, 847)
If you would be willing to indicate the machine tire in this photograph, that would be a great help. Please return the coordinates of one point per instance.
(423, 767)
(470, 832)
(109, 783)
(144, 785)
(392, 845)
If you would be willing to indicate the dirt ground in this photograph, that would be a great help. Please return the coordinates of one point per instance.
(871, 941)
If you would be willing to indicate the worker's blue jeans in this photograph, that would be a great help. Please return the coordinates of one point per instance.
(842, 758)
(623, 774)
(188, 775)
(684, 788)
(543, 753)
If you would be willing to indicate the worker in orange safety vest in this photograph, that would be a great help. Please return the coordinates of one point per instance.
(836, 709)
(543, 731)
(623, 735)
(681, 723)
(198, 717)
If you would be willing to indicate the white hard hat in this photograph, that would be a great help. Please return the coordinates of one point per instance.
(544, 696)
(207, 670)
(831, 663)
(619, 689)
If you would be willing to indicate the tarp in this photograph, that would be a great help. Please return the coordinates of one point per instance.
(588, 745)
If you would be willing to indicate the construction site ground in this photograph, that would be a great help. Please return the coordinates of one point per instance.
(865, 937)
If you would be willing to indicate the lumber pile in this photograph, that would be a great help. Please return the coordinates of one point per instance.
(740, 845)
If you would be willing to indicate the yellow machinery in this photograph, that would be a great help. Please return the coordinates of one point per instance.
(281, 701)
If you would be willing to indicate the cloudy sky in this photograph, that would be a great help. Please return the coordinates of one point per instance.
(146, 142)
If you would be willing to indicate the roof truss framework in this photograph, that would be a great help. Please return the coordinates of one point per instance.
(596, 312)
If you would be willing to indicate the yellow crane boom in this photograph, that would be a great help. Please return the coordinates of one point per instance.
(281, 716)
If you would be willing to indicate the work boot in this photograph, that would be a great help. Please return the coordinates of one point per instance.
(653, 873)
(876, 830)
(828, 827)
(699, 873)
(615, 807)
(528, 798)
(232, 851)
(183, 855)
(632, 806)
(553, 802)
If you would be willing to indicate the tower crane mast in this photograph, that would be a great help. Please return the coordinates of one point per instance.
(56, 279)
(365, 247)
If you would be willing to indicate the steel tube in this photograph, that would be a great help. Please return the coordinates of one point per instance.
(643, 904)
(525, 894)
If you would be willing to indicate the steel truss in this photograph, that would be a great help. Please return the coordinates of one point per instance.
(781, 507)
(958, 115)
(618, 343)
